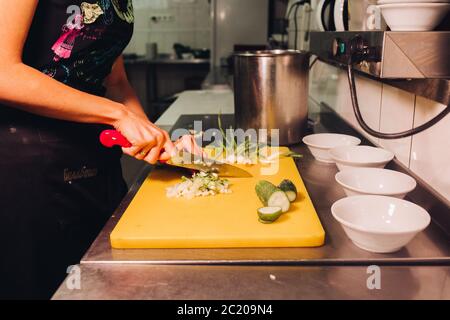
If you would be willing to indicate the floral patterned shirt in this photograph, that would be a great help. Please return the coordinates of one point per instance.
(77, 42)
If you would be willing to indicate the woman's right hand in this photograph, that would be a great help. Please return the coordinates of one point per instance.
(147, 139)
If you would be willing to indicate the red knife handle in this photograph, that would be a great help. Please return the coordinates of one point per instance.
(111, 138)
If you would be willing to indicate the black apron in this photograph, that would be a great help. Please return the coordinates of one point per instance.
(58, 185)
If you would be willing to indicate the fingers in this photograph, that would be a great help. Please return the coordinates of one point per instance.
(184, 144)
(140, 151)
(169, 149)
(143, 153)
(165, 156)
(160, 147)
(154, 154)
(189, 144)
(150, 143)
(169, 145)
(133, 151)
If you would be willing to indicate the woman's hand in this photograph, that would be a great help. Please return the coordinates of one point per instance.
(188, 143)
(150, 143)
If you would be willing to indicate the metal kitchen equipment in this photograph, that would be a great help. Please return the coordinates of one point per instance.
(392, 55)
(271, 92)
(388, 55)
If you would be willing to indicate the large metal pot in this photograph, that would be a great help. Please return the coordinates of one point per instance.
(271, 92)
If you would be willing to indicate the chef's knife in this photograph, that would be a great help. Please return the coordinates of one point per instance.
(110, 138)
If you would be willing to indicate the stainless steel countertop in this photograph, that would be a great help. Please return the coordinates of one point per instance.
(338, 270)
(147, 282)
(430, 247)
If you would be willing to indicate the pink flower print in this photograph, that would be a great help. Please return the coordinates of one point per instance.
(64, 45)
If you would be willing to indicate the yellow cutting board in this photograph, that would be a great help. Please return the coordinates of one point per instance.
(224, 221)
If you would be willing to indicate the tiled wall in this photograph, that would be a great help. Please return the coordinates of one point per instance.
(181, 21)
(392, 110)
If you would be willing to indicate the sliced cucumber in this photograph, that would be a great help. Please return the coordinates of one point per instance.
(269, 214)
(272, 196)
(289, 188)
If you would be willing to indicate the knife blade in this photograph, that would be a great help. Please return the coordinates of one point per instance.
(110, 138)
(222, 169)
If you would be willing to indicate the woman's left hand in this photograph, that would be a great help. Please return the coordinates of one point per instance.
(188, 143)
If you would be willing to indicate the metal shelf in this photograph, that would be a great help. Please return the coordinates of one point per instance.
(417, 62)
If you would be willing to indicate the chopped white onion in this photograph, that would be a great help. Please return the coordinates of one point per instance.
(201, 184)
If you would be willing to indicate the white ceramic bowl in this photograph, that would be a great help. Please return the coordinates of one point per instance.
(360, 157)
(365, 181)
(414, 16)
(320, 144)
(380, 224)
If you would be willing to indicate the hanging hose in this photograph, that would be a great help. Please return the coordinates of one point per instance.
(386, 136)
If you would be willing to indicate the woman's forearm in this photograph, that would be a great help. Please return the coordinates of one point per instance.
(120, 90)
(25, 88)
(123, 93)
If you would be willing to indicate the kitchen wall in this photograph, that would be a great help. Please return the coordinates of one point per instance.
(166, 22)
(238, 22)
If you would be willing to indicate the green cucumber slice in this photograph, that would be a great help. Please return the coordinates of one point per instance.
(269, 214)
(289, 188)
(272, 196)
